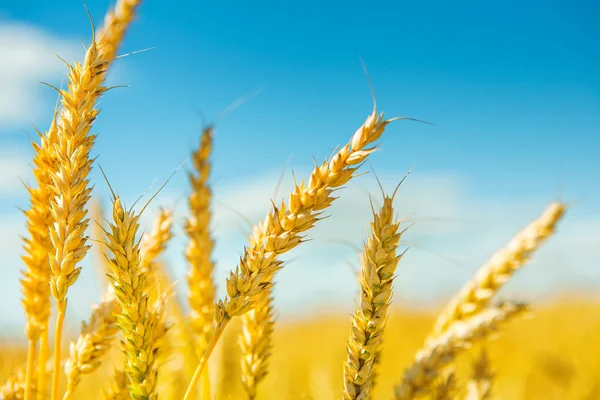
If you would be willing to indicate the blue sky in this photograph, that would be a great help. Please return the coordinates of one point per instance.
(512, 88)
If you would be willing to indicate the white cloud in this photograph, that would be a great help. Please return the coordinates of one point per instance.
(13, 167)
(26, 60)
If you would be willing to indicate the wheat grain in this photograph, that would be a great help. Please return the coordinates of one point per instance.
(477, 293)
(379, 262)
(441, 351)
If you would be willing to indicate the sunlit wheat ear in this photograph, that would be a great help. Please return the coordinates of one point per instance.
(200, 245)
(477, 293)
(481, 383)
(283, 227)
(136, 319)
(441, 351)
(379, 261)
(256, 343)
(93, 343)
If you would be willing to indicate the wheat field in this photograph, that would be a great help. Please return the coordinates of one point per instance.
(149, 336)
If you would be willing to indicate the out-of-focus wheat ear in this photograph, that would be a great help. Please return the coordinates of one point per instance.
(446, 387)
(154, 245)
(117, 389)
(379, 261)
(116, 22)
(256, 343)
(283, 228)
(199, 252)
(480, 385)
(477, 293)
(440, 352)
(14, 387)
(93, 343)
(227, 364)
(180, 338)
(37, 246)
(101, 257)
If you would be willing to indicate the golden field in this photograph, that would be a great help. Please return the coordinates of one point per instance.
(552, 354)
(144, 341)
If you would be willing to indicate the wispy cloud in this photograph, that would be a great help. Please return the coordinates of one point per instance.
(26, 60)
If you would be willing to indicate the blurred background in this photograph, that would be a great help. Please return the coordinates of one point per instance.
(512, 90)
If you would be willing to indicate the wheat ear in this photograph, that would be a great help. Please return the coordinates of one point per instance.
(477, 293)
(379, 262)
(199, 251)
(200, 246)
(282, 229)
(256, 342)
(441, 351)
(135, 321)
(34, 284)
(93, 342)
(481, 383)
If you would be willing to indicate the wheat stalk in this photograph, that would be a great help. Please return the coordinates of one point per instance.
(256, 342)
(477, 293)
(93, 342)
(282, 228)
(441, 351)
(379, 262)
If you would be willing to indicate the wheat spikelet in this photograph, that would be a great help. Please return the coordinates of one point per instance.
(480, 385)
(117, 389)
(136, 320)
(441, 351)
(476, 294)
(379, 262)
(93, 342)
(200, 247)
(446, 388)
(282, 228)
(256, 343)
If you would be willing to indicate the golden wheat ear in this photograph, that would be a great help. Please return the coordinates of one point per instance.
(440, 352)
(489, 279)
(379, 261)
